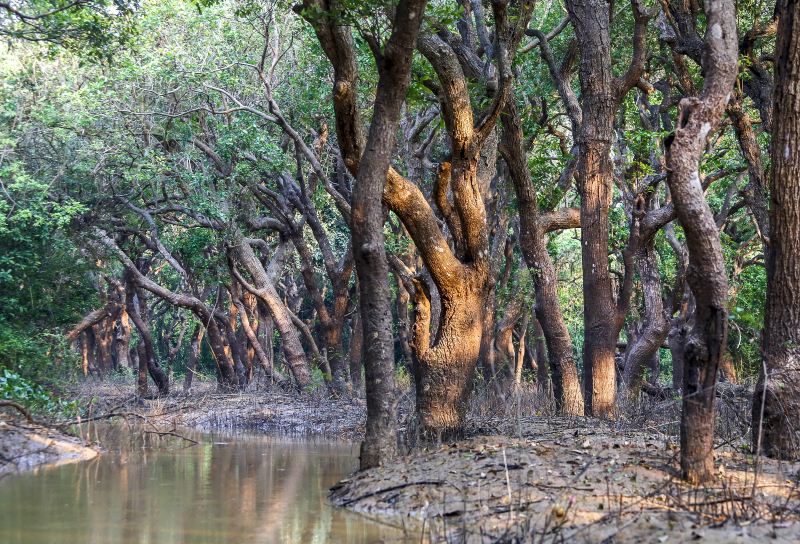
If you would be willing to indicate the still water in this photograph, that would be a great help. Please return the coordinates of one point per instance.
(149, 489)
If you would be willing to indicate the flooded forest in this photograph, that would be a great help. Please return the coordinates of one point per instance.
(446, 271)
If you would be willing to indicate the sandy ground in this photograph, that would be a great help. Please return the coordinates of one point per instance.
(26, 446)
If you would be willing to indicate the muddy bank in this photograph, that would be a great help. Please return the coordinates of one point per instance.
(26, 445)
(268, 410)
(576, 481)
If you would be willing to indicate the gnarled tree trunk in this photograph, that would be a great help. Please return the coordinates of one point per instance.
(706, 274)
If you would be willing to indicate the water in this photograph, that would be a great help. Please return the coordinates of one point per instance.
(150, 489)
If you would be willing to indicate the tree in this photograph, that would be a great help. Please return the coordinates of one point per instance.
(601, 94)
(706, 276)
(370, 162)
(776, 400)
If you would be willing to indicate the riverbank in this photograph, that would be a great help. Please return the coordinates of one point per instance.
(577, 480)
(272, 410)
(26, 445)
(523, 474)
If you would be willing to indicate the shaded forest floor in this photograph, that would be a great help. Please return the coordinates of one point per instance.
(523, 475)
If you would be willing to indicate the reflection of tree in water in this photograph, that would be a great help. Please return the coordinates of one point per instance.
(246, 490)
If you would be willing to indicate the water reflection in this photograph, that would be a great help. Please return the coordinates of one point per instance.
(231, 489)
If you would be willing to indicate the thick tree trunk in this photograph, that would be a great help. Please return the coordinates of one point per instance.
(394, 69)
(595, 184)
(706, 274)
(445, 370)
(356, 354)
(776, 402)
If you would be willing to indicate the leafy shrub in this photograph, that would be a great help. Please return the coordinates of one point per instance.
(33, 396)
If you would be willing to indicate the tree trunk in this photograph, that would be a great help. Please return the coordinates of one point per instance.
(356, 357)
(776, 402)
(404, 322)
(292, 348)
(533, 242)
(122, 339)
(255, 345)
(640, 354)
(141, 376)
(595, 184)
(146, 339)
(445, 370)
(520, 355)
(543, 382)
(706, 274)
(194, 356)
(394, 69)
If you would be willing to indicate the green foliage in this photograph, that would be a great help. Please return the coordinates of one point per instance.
(95, 29)
(33, 396)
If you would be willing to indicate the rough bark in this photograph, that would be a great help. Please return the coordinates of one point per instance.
(776, 402)
(266, 293)
(533, 242)
(595, 184)
(706, 277)
(640, 354)
(194, 356)
(356, 355)
(394, 75)
(755, 193)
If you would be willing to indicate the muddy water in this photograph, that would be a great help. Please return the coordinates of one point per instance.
(152, 489)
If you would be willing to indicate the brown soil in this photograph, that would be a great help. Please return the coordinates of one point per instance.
(269, 410)
(26, 446)
(576, 481)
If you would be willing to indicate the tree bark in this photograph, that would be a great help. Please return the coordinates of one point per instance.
(356, 354)
(595, 185)
(640, 354)
(706, 275)
(194, 356)
(146, 340)
(533, 242)
(394, 72)
(265, 291)
(776, 402)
